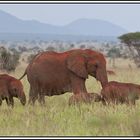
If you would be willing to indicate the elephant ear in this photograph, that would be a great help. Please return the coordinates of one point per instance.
(77, 64)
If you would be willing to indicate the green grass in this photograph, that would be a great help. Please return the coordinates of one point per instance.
(59, 119)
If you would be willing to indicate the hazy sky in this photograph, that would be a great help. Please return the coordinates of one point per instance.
(126, 15)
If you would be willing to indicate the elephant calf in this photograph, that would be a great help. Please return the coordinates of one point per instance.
(11, 87)
(117, 92)
(74, 99)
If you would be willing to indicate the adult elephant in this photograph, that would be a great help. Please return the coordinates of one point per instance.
(51, 73)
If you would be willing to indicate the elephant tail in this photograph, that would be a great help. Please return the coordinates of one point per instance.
(22, 75)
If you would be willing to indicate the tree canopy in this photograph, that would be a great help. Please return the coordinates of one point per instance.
(131, 39)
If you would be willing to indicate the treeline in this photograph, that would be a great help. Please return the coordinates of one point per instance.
(129, 47)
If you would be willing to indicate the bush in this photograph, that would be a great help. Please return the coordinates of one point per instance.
(114, 52)
(9, 60)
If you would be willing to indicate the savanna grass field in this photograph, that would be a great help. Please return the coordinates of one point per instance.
(57, 118)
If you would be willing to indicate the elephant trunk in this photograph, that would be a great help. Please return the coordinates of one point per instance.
(22, 99)
(102, 76)
(104, 82)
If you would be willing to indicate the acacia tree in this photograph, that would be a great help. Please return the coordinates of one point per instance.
(132, 40)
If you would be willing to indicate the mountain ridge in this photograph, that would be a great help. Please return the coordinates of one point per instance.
(84, 26)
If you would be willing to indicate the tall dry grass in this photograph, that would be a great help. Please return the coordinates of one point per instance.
(59, 119)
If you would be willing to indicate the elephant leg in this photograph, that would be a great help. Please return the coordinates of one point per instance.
(41, 99)
(72, 100)
(11, 101)
(33, 96)
(8, 101)
(133, 102)
(32, 100)
(104, 102)
(107, 102)
(80, 92)
(0, 101)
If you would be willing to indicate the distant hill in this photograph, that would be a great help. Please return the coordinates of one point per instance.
(12, 24)
(94, 27)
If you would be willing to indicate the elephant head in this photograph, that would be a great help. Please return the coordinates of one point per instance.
(90, 62)
(16, 90)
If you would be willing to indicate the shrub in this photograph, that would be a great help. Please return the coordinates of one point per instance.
(9, 60)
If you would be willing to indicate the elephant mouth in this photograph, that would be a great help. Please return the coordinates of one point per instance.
(23, 101)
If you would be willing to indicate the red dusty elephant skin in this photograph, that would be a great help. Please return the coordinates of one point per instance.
(11, 87)
(117, 92)
(51, 73)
